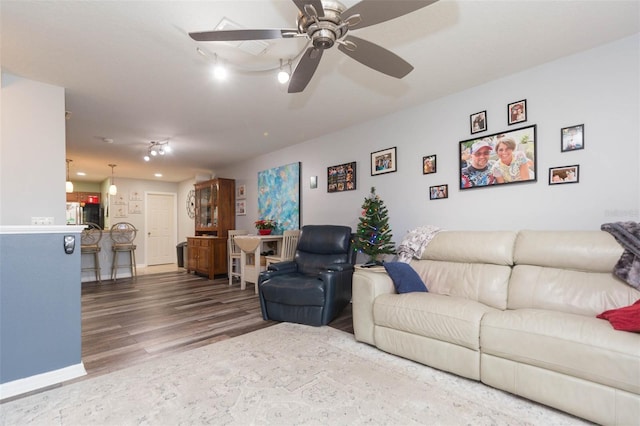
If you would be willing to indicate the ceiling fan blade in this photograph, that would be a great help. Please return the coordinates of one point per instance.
(375, 11)
(317, 5)
(305, 70)
(375, 56)
(237, 35)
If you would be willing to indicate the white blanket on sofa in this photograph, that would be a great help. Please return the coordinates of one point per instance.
(414, 243)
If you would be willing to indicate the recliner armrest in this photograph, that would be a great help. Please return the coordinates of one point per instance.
(285, 267)
(340, 267)
(275, 269)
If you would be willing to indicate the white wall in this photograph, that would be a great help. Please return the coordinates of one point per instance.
(32, 157)
(599, 88)
(125, 188)
(186, 225)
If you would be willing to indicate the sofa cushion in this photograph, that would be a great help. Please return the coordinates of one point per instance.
(405, 278)
(588, 251)
(449, 319)
(626, 319)
(575, 345)
(481, 282)
(566, 290)
(494, 247)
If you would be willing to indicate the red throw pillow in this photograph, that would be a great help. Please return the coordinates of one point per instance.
(626, 319)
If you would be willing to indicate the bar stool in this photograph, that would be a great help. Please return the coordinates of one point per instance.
(90, 244)
(122, 235)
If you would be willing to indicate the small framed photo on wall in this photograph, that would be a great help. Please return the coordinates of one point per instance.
(517, 112)
(383, 161)
(564, 174)
(438, 192)
(241, 192)
(241, 208)
(572, 138)
(428, 164)
(478, 122)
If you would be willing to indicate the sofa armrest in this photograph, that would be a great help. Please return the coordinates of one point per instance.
(367, 285)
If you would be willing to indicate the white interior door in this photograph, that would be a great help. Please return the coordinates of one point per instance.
(161, 233)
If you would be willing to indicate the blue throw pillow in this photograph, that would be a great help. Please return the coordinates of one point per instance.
(404, 277)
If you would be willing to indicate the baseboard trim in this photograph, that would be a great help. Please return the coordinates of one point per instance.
(28, 384)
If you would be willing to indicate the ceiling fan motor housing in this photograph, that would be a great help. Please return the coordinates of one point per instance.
(324, 31)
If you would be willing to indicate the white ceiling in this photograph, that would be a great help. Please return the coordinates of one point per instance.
(133, 75)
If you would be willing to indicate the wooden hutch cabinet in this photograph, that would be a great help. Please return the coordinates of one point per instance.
(215, 216)
(215, 207)
(207, 255)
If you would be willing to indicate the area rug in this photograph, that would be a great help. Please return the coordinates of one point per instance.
(287, 374)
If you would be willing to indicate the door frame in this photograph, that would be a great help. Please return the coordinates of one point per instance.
(174, 225)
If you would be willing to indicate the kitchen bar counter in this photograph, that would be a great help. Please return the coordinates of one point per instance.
(106, 258)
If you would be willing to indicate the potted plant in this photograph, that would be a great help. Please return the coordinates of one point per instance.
(265, 226)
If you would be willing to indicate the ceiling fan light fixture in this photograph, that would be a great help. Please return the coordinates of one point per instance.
(284, 75)
(325, 23)
(220, 72)
(147, 158)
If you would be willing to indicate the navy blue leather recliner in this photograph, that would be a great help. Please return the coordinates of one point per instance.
(315, 286)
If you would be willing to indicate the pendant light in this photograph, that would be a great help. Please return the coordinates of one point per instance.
(113, 190)
(69, 184)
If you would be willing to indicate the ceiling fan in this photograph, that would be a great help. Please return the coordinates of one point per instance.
(327, 22)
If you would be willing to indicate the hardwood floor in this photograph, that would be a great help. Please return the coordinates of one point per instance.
(136, 320)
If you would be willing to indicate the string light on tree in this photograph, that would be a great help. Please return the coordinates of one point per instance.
(373, 236)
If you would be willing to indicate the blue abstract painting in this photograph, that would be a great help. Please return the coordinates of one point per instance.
(279, 196)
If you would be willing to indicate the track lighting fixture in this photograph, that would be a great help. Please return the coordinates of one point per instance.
(113, 190)
(157, 148)
(222, 67)
(69, 184)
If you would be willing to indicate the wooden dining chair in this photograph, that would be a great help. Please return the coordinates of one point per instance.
(289, 243)
(234, 254)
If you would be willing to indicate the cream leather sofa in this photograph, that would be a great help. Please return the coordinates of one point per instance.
(517, 311)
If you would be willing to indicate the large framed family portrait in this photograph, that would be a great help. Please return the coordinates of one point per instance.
(499, 159)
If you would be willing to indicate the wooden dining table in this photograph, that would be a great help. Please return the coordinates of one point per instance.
(251, 257)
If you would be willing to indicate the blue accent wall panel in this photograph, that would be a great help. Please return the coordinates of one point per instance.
(40, 305)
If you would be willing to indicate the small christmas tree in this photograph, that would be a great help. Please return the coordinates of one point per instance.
(373, 236)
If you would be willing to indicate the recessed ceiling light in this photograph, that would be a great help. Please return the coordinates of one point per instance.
(81, 174)
(158, 175)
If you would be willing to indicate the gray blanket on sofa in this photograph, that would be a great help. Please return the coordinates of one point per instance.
(628, 235)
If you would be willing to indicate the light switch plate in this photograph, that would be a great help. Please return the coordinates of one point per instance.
(42, 220)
